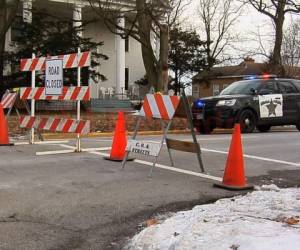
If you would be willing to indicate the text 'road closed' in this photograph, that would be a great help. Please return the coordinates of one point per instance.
(54, 77)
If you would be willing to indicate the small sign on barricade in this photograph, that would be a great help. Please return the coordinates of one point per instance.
(54, 90)
(162, 107)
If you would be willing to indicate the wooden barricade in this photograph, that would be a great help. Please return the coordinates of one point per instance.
(184, 111)
(8, 100)
(163, 107)
(78, 93)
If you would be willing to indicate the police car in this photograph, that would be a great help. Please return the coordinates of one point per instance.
(255, 103)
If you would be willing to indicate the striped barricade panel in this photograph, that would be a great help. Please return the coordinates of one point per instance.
(56, 124)
(69, 93)
(69, 61)
(8, 100)
(159, 106)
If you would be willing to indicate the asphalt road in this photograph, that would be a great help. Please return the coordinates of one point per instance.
(80, 201)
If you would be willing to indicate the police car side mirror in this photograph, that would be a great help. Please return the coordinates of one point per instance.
(253, 91)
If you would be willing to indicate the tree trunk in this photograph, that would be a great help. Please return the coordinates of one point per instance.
(176, 81)
(144, 22)
(151, 73)
(156, 70)
(2, 87)
(3, 14)
(8, 10)
(164, 52)
(276, 61)
(208, 48)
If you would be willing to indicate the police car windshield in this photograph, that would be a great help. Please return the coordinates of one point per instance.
(240, 87)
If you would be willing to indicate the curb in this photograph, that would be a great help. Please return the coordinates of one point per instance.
(110, 134)
(48, 136)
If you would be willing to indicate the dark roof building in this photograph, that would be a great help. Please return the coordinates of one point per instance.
(208, 83)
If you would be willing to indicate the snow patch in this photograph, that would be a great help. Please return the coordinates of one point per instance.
(264, 219)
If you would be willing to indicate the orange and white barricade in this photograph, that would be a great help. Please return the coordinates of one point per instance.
(75, 60)
(78, 94)
(157, 106)
(8, 102)
(165, 108)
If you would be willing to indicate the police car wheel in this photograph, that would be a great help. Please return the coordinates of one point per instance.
(298, 125)
(263, 128)
(247, 121)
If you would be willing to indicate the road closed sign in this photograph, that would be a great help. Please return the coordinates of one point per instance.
(54, 77)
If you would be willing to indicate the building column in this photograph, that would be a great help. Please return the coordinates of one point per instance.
(77, 18)
(120, 59)
(27, 11)
(157, 44)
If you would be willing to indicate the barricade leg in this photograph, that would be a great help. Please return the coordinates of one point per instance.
(165, 129)
(190, 121)
(170, 156)
(28, 111)
(133, 137)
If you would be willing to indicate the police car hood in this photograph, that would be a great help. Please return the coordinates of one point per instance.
(223, 97)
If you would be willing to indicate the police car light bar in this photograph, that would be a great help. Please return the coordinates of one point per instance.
(264, 76)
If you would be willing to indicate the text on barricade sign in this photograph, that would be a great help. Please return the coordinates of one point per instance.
(54, 77)
(143, 147)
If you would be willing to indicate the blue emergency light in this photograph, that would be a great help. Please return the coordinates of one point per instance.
(200, 104)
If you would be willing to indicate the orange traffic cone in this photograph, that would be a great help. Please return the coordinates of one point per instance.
(4, 140)
(118, 148)
(234, 176)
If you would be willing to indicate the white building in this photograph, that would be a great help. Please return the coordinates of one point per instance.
(125, 64)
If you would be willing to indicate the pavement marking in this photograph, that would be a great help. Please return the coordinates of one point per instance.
(225, 152)
(71, 150)
(254, 157)
(55, 152)
(224, 138)
(100, 140)
(183, 171)
(198, 139)
(206, 176)
(40, 142)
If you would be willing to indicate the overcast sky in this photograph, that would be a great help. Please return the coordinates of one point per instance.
(249, 23)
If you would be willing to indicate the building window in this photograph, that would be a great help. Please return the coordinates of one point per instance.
(126, 78)
(127, 44)
(216, 89)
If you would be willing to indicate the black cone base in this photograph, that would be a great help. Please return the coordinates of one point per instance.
(116, 159)
(233, 188)
(9, 144)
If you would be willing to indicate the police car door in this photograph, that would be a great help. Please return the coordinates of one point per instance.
(290, 96)
(270, 102)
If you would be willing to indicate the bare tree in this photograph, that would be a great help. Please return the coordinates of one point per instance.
(291, 45)
(217, 18)
(143, 19)
(291, 49)
(8, 10)
(276, 10)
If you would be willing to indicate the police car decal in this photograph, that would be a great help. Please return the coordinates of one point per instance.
(270, 105)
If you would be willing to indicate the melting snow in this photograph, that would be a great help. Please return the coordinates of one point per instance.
(266, 219)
